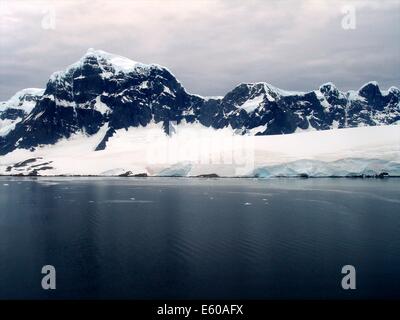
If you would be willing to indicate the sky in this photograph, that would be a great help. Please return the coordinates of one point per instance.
(210, 46)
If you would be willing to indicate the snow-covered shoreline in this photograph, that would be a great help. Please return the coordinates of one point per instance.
(194, 150)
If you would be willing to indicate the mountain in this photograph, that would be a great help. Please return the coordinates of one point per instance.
(17, 108)
(107, 91)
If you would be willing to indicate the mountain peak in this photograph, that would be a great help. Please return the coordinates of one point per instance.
(269, 88)
(111, 64)
(369, 84)
(327, 86)
(24, 99)
(370, 89)
(329, 90)
(120, 63)
(394, 90)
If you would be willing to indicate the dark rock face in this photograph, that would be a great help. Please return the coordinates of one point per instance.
(12, 114)
(97, 92)
(33, 165)
(210, 175)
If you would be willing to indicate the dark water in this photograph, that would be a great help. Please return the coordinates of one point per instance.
(193, 238)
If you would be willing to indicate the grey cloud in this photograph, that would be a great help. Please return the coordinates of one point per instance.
(211, 46)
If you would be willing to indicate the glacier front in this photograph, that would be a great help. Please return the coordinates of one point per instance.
(194, 150)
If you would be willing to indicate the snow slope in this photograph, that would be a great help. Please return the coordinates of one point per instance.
(17, 100)
(197, 150)
(19, 105)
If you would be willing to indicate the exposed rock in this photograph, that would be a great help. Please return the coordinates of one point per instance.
(211, 175)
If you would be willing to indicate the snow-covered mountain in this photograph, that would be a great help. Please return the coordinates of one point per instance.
(102, 88)
(102, 98)
(17, 108)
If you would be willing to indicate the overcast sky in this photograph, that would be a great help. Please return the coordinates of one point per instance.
(210, 46)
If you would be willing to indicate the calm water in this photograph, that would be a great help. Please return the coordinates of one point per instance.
(193, 238)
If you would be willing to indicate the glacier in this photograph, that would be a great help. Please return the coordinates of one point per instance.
(194, 150)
